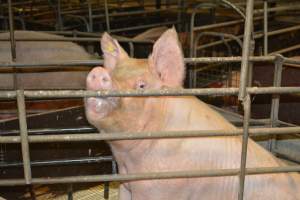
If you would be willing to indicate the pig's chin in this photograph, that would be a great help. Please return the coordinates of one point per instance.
(100, 107)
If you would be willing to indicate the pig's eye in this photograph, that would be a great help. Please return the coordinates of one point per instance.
(141, 85)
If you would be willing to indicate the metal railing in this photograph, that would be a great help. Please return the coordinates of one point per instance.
(243, 92)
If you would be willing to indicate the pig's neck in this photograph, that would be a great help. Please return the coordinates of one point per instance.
(168, 114)
(189, 113)
(154, 118)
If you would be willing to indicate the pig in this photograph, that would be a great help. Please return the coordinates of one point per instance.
(165, 68)
(39, 51)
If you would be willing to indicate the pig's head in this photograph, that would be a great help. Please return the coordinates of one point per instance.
(164, 68)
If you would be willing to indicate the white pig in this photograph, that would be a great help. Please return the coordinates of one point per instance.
(165, 69)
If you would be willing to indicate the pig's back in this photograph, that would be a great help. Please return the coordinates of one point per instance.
(39, 51)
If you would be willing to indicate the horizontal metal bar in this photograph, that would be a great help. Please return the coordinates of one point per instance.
(285, 50)
(44, 94)
(256, 36)
(279, 8)
(79, 130)
(151, 176)
(51, 131)
(228, 59)
(223, 24)
(85, 160)
(74, 39)
(149, 135)
(100, 62)
(54, 64)
(138, 12)
(143, 26)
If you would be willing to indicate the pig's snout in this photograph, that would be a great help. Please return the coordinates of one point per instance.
(96, 107)
(99, 79)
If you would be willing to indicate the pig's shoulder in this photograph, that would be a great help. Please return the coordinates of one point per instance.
(190, 113)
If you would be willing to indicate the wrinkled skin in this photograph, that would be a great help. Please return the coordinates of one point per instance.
(42, 52)
(165, 69)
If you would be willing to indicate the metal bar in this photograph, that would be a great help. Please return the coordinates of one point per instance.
(246, 49)
(12, 43)
(87, 160)
(44, 94)
(265, 27)
(89, 129)
(24, 135)
(52, 131)
(90, 10)
(247, 112)
(107, 16)
(275, 100)
(120, 14)
(256, 36)
(148, 135)
(215, 34)
(131, 49)
(192, 25)
(235, 8)
(151, 176)
(60, 23)
(72, 63)
(76, 39)
(11, 31)
(279, 8)
(143, 26)
(285, 50)
(223, 24)
(81, 63)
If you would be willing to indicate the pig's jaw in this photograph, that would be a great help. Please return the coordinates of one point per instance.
(100, 108)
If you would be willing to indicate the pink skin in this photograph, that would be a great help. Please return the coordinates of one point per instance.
(165, 68)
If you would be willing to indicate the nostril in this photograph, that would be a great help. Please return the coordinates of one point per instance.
(105, 79)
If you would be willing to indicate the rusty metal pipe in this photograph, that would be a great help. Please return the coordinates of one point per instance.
(148, 135)
(242, 174)
(24, 136)
(152, 176)
(246, 49)
(44, 94)
(75, 63)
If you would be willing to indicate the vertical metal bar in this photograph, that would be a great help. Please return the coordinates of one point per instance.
(106, 190)
(179, 14)
(90, 16)
(247, 111)
(275, 100)
(11, 31)
(246, 79)
(192, 34)
(70, 192)
(265, 27)
(131, 49)
(12, 43)
(192, 49)
(107, 16)
(246, 48)
(24, 135)
(59, 17)
(250, 64)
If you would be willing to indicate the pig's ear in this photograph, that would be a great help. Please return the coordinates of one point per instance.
(166, 60)
(112, 51)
